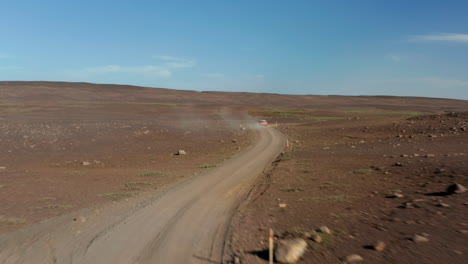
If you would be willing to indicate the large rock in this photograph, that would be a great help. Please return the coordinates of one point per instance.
(354, 258)
(290, 250)
(456, 188)
(181, 152)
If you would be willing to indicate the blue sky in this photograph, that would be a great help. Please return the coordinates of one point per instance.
(361, 47)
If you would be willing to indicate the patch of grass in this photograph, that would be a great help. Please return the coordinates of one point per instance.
(384, 112)
(292, 190)
(327, 239)
(392, 192)
(131, 186)
(116, 196)
(208, 166)
(58, 206)
(47, 198)
(363, 171)
(299, 113)
(152, 174)
(332, 198)
(138, 183)
(11, 220)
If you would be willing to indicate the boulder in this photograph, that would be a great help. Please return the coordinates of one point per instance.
(290, 250)
(456, 188)
(354, 258)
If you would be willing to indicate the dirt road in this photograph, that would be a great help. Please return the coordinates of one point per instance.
(187, 223)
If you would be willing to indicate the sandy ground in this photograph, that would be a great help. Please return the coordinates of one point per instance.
(186, 224)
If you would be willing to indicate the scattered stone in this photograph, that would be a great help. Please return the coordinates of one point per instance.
(317, 238)
(420, 239)
(429, 155)
(80, 219)
(290, 251)
(398, 164)
(234, 140)
(443, 205)
(324, 229)
(2, 168)
(397, 195)
(456, 188)
(379, 246)
(85, 163)
(181, 152)
(354, 258)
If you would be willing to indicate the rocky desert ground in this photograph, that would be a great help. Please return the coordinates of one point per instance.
(363, 178)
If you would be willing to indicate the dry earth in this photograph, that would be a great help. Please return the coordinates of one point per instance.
(344, 174)
(338, 170)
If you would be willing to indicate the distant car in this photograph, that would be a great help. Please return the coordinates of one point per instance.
(263, 122)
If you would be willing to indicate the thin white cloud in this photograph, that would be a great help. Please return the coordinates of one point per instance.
(147, 70)
(259, 77)
(443, 37)
(394, 58)
(175, 62)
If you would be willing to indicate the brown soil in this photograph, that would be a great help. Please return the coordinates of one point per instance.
(342, 173)
(338, 170)
(130, 149)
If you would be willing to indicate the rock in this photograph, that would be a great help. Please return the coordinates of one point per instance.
(234, 140)
(290, 251)
(85, 163)
(379, 246)
(443, 205)
(236, 260)
(324, 229)
(282, 205)
(354, 258)
(2, 168)
(181, 152)
(317, 238)
(420, 239)
(80, 219)
(456, 188)
(397, 195)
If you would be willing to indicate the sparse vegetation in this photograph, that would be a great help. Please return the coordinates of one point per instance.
(363, 171)
(11, 220)
(58, 206)
(116, 196)
(384, 112)
(332, 198)
(292, 190)
(333, 185)
(130, 186)
(152, 174)
(208, 166)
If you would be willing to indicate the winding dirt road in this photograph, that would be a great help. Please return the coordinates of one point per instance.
(188, 223)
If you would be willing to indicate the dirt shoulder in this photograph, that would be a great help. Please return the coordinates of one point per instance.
(344, 174)
(58, 158)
